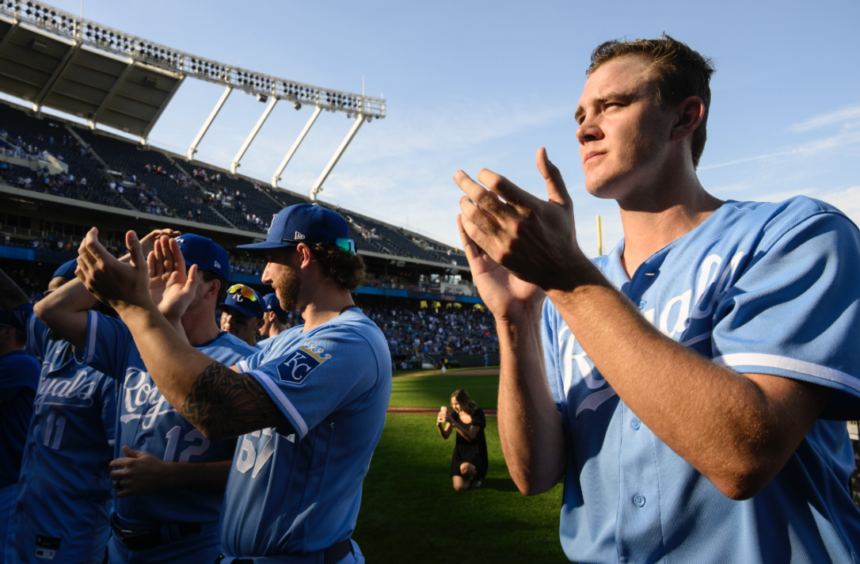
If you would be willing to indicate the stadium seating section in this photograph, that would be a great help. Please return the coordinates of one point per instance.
(111, 171)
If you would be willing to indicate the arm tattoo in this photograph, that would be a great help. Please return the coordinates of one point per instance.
(225, 404)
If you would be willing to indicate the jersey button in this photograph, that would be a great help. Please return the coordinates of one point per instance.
(141, 441)
(642, 304)
(639, 500)
(635, 424)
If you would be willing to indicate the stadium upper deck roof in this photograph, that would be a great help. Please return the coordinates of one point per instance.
(55, 59)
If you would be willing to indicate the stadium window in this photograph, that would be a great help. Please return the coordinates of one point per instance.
(79, 230)
(24, 222)
(11, 220)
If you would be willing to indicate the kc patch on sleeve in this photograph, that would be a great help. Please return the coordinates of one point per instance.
(301, 362)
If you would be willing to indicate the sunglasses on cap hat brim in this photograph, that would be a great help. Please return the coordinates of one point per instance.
(344, 244)
(246, 291)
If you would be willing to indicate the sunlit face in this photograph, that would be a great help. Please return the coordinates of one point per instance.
(283, 276)
(623, 133)
(455, 405)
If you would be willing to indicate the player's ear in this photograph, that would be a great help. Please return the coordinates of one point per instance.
(688, 116)
(305, 254)
(212, 288)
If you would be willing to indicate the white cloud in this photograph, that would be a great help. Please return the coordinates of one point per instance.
(780, 196)
(847, 200)
(844, 138)
(816, 122)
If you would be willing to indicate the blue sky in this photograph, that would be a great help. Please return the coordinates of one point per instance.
(484, 84)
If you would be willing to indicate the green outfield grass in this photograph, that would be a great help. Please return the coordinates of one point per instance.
(411, 514)
(425, 370)
(435, 390)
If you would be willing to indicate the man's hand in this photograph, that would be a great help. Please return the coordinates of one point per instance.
(172, 290)
(113, 282)
(531, 238)
(147, 244)
(139, 473)
(507, 296)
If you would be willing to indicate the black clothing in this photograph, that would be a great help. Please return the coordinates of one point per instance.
(474, 451)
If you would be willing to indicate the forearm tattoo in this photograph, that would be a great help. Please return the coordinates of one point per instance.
(225, 404)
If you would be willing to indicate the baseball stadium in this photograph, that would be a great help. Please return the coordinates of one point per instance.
(79, 100)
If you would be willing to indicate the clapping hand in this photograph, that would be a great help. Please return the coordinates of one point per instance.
(172, 289)
(517, 244)
(113, 282)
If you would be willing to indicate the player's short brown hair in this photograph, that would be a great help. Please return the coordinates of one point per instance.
(345, 268)
(209, 276)
(676, 71)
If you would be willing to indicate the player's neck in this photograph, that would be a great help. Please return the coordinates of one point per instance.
(662, 215)
(325, 304)
(200, 326)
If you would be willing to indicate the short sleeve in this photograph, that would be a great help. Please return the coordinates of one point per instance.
(37, 332)
(795, 309)
(317, 377)
(107, 345)
(253, 361)
(549, 341)
(478, 419)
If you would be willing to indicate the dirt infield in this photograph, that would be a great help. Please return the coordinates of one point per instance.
(475, 372)
(430, 410)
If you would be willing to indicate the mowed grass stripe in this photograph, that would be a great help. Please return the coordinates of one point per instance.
(435, 391)
(411, 513)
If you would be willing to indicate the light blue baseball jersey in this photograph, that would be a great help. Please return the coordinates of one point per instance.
(64, 490)
(759, 288)
(300, 492)
(146, 422)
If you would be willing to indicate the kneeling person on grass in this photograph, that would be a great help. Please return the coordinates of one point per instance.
(311, 404)
(470, 461)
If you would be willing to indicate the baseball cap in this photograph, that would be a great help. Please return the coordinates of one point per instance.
(304, 223)
(67, 270)
(244, 299)
(272, 303)
(205, 253)
(6, 320)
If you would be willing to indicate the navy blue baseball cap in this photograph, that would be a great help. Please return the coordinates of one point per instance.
(304, 223)
(244, 299)
(205, 253)
(272, 303)
(6, 320)
(67, 270)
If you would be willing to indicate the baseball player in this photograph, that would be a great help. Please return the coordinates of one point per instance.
(63, 502)
(274, 318)
(169, 478)
(19, 376)
(309, 407)
(692, 380)
(242, 313)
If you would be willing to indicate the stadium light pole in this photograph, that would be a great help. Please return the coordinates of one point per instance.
(212, 115)
(317, 187)
(269, 107)
(277, 176)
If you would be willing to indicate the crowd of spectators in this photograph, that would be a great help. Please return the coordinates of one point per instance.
(435, 331)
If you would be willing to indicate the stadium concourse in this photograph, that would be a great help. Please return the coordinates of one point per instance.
(418, 290)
